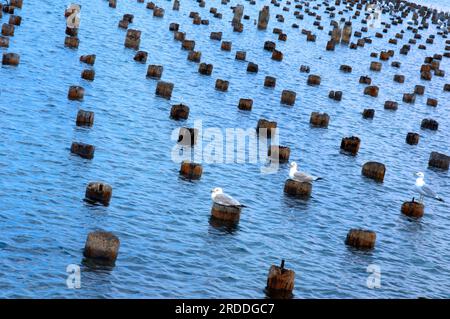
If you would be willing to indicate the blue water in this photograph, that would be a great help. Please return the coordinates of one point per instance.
(168, 246)
(435, 4)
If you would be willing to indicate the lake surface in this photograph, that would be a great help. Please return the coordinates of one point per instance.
(169, 248)
(435, 4)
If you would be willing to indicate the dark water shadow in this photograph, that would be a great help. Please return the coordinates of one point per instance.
(296, 202)
(360, 252)
(187, 179)
(346, 153)
(277, 294)
(412, 223)
(226, 227)
(438, 170)
(90, 202)
(97, 264)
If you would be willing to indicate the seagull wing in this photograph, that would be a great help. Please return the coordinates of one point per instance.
(304, 177)
(428, 191)
(226, 200)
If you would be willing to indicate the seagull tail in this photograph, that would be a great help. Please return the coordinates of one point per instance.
(439, 199)
(242, 206)
(318, 178)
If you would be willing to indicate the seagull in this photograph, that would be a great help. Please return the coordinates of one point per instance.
(301, 176)
(423, 189)
(442, 25)
(219, 197)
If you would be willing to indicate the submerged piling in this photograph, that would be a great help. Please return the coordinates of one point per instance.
(75, 93)
(164, 89)
(98, 192)
(263, 18)
(10, 59)
(191, 170)
(439, 160)
(279, 153)
(133, 39)
(360, 238)
(297, 189)
(83, 150)
(85, 118)
(102, 245)
(413, 209)
(374, 170)
(319, 119)
(350, 145)
(179, 112)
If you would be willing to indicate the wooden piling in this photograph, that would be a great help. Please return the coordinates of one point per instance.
(297, 189)
(266, 127)
(102, 245)
(374, 170)
(429, 124)
(368, 113)
(319, 119)
(205, 68)
(413, 209)
(313, 80)
(280, 279)
(98, 192)
(190, 170)
(222, 85)
(439, 160)
(270, 81)
(10, 59)
(360, 238)
(226, 213)
(252, 67)
(88, 59)
(83, 150)
(279, 153)
(350, 145)
(179, 112)
(141, 56)
(75, 93)
(133, 39)
(155, 71)
(88, 75)
(371, 90)
(164, 89)
(288, 97)
(85, 118)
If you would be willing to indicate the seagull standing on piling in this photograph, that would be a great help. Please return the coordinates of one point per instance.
(442, 25)
(219, 197)
(423, 189)
(301, 176)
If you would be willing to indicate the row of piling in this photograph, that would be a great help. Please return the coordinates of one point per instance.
(105, 245)
(279, 279)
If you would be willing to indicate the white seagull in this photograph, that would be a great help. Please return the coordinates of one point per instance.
(301, 176)
(219, 197)
(423, 189)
